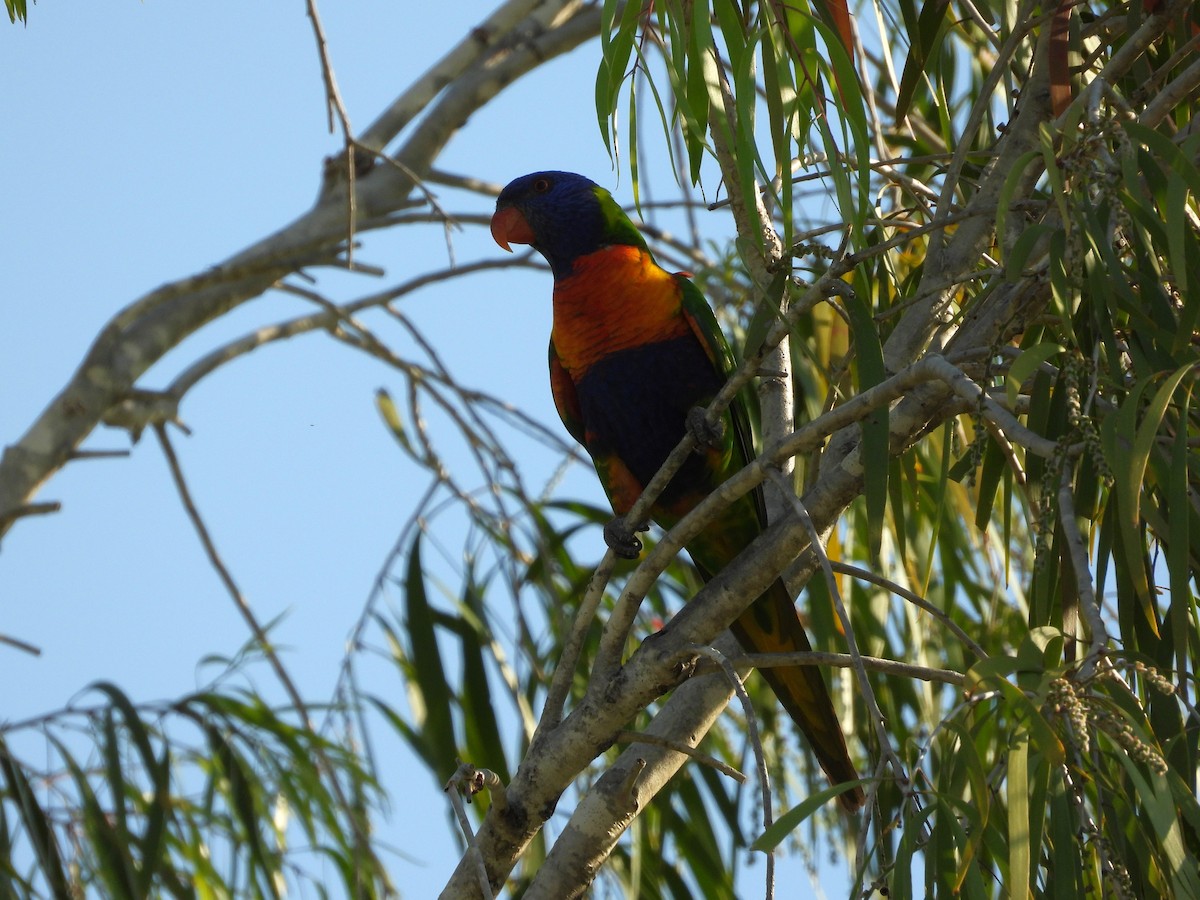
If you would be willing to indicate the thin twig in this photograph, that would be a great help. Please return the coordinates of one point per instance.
(564, 671)
(447, 218)
(764, 779)
(81, 455)
(464, 781)
(335, 107)
(210, 549)
(864, 683)
(913, 598)
(642, 737)
(260, 636)
(325, 319)
(19, 644)
(911, 234)
(846, 661)
(29, 509)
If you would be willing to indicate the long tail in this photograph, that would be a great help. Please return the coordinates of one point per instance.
(772, 625)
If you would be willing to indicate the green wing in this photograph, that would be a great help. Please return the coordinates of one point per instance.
(703, 322)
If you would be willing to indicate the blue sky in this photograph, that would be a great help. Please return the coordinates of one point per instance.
(144, 142)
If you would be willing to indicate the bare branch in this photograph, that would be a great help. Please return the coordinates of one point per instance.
(140, 335)
(846, 661)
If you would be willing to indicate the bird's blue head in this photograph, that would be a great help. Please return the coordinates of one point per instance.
(561, 215)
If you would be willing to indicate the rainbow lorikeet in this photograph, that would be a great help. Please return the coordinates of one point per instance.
(634, 350)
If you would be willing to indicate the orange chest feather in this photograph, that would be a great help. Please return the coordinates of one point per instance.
(614, 299)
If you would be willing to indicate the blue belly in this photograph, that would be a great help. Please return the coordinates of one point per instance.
(634, 405)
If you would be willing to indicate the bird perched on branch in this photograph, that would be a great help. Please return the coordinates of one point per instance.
(634, 351)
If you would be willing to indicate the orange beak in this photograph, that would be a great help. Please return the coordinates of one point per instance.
(510, 227)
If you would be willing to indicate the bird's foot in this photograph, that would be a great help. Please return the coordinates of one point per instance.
(707, 434)
(621, 538)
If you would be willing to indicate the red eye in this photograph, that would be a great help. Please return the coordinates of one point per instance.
(542, 185)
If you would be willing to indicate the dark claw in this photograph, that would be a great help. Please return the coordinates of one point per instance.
(706, 434)
(621, 539)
